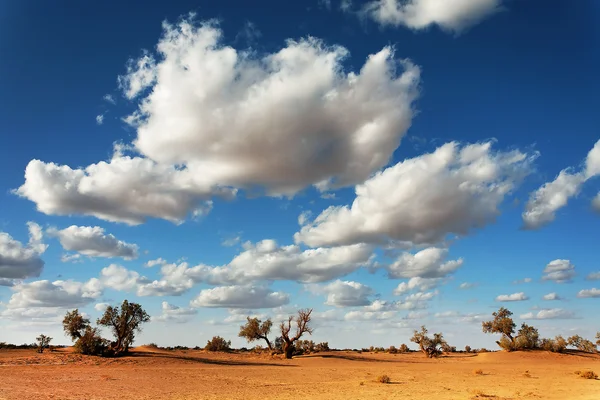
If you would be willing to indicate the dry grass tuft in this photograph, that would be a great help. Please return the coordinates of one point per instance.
(587, 374)
(384, 379)
(478, 371)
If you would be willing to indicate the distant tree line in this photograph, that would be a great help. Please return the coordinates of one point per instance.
(126, 320)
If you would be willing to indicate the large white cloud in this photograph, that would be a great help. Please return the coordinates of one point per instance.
(344, 293)
(124, 189)
(543, 203)
(451, 15)
(427, 263)
(282, 121)
(18, 261)
(119, 278)
(245, 296)
(512, 297)
(551, 313)
(64, 294)
(559, 271)
(455, 189)
(92, 241)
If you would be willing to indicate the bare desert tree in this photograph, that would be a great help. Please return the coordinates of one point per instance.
(123, 323)
(598, 339)
(432, 347)
(302, 321)
(502, 324)
(87, 339)
(255, 329)
(43, 342)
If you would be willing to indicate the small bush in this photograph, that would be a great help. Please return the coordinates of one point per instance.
(217, 343)
(467, 349)
(506, 344)
(43, 342)
(323, 346)
(393, 350)
(151, 345)
(478, 371)
(383, 379)
(587, 374)
(404, 348)
(556, 345)
(91, 343)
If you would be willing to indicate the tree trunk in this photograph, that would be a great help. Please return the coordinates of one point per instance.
(288, 349)
(268, 343)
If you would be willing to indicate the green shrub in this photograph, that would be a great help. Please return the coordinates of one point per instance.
(217, 343)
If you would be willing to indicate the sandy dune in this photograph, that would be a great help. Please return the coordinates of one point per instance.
(155, 374)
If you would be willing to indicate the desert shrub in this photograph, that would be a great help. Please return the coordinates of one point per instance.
(255, 329)
(502, 324)
(323, 346)
(43, 342)
(364, 350)
(124, 322)
(404, 348)
(302, 321)
(384, 379)
(527, 338)
(217, 343)
(91, 343)
(482, 350)
(152, 345)
(598, 339)
(305, 346)
(506, 344)
(467, 349)
(431, 346)
(393, 350)
(556, 345)
(587, 374)
(581, 344)
(478, 371)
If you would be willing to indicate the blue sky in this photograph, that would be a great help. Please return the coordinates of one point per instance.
(389, 165)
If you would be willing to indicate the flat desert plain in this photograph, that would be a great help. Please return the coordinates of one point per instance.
(158, 374)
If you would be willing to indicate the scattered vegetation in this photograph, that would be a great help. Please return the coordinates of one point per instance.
(581, 344)
(478, 371)
(384, 379)
(217, 343)
(255, 329)
(467, 349)
(43, 342)
(556, 345)
(432, 347)
(587, 374)
(302, 321)
(404, 348)
(124, 322)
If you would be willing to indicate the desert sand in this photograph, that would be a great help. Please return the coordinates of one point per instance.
(157, 374)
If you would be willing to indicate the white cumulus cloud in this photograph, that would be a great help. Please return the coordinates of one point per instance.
(93, 242)
(455, 189)
(587, 293)
(173, 313)
(65, 294)
(250, 297)
(552, 313)
(450, 15)
(551, 296)
(344, 293)
(559, 271)
(427, 263)
(543, 203)
(282, 121)
(18, 261)
(512, 297)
